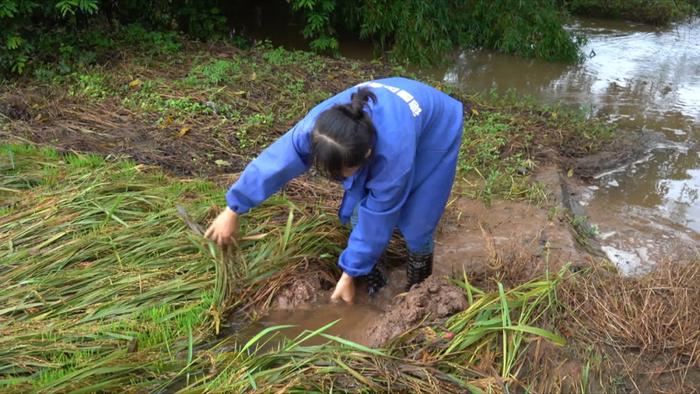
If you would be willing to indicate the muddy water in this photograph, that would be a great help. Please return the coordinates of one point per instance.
(643, 80)
(351, 322)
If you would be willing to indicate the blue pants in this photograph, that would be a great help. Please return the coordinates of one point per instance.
(424, 247)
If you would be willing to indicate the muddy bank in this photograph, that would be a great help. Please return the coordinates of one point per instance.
(510, 242)
(635, 238)
(515, 239)
(625, 150)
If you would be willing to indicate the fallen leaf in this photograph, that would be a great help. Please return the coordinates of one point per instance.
(183, 131)
(135, 84)
(570, 173)
(165, 123)
(222, 163)
(475, 112)
(255, 237)
(253, 76)
(240, 93)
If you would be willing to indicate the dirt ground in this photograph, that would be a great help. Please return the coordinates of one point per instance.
(483, 239)
(53, 116)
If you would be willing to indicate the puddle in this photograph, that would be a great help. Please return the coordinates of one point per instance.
(352, 324)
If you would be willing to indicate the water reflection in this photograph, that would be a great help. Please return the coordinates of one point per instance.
(641, 74)
(640, 78)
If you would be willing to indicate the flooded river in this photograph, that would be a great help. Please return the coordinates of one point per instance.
(643, 80)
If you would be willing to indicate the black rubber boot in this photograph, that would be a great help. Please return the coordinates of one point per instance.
(419, 268)
(375, 280)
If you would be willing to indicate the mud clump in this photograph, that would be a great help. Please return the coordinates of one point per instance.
(433, 299)
(625, 150)
(303, 291)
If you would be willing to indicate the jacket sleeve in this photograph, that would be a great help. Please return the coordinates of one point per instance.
(279, 163)
(389, 187)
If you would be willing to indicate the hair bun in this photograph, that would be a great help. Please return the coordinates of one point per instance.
(358, 100)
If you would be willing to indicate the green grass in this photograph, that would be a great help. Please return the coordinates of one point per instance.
(214, 94)
(91, 85)
(496, 324)
(281, 57)
(105, 286)
(96, 260)
(215, 73)
(486, 169)
(505, 139)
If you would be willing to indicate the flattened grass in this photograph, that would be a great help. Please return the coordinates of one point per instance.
(103, 284)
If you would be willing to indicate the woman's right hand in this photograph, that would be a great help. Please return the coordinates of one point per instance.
(344, 290)
(224, 228)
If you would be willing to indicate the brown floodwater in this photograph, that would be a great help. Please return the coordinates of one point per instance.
(643, 80)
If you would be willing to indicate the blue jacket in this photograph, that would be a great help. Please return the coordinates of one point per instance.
(405, 184)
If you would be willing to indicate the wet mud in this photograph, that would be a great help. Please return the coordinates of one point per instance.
(506, 241)
(627, 149)
(305, 290)
(432, 300)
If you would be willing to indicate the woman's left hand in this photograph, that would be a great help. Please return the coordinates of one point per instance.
(345, 289)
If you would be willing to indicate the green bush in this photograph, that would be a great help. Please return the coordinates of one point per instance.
(420, 31)
(16, 19)
(525, 28)
(70, 33)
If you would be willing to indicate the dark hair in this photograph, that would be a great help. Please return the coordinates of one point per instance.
(342, 135)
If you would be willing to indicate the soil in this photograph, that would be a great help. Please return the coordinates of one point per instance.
(210, 146)
(512, 241)
(304, 291)
(433, 299)
(112, 130)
